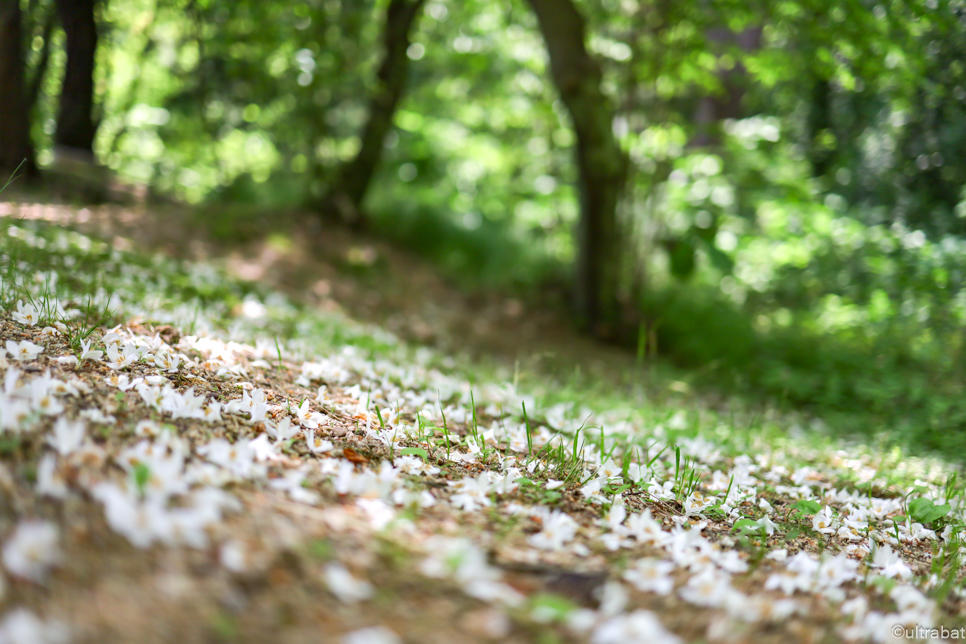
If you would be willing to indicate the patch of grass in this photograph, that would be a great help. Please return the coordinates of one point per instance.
(225, 628)
(9, 444)
(90, 318)
(12, 176)
(320, 549)
(868, 384)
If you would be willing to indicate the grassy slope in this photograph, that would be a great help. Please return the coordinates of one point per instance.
(433, 504)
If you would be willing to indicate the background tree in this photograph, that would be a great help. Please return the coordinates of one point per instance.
(600, 163)
(351, 183)
(75, 122)
(15, 146)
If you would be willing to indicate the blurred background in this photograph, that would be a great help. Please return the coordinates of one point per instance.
(767, 195)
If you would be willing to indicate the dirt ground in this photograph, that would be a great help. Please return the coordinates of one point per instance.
(325, 264)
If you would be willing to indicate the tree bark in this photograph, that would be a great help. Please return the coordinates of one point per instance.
(351, 183)
(75, 122)
(15, 147)
(601, 164)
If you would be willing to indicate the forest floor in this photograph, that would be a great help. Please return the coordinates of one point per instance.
(290, 433)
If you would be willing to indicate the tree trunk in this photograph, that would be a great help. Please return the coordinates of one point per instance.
(15, 147)
(348, 189)
(601, 164)
(75, 123)
(819, 123)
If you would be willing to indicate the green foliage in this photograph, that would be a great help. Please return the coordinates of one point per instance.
(492, 254)
(414, 451)
(807, 507)
(857, 323)
(748, 528)
(142, 475)
(924, 511)
(551, 607)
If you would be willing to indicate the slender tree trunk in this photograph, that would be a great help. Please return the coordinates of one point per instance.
(15, 147)
(75, 123)
(348, 189)
(600, 162)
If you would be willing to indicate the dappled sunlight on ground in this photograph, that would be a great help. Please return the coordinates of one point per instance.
(332, 267)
